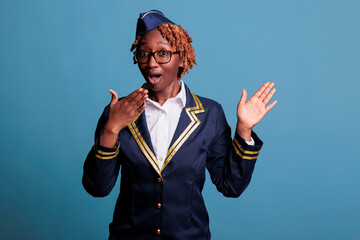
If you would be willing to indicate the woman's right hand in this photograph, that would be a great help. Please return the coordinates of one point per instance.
(122, 113)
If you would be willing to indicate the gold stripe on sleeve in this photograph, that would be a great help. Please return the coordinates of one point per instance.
(105, 153)
(241, 155)
(243, 150)
(108, 157)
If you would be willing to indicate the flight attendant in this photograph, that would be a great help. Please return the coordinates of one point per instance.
(163, 137)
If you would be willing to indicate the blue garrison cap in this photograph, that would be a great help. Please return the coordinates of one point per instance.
(150, 20)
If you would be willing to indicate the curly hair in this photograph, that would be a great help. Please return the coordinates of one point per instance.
(180, 40)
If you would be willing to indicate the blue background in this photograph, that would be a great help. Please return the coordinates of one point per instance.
(58, 58)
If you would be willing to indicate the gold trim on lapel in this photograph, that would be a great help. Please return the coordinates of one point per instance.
(150, 156)
(195, 122)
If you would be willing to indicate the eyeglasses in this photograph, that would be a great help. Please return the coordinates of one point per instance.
(160, 57)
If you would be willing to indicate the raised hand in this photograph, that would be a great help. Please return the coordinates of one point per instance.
(250, 112)
(122, 113)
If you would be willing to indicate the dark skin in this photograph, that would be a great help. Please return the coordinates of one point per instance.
(162, 84)
(121, 114)
(166, 86)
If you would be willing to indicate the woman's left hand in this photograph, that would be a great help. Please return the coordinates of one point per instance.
(250, 112)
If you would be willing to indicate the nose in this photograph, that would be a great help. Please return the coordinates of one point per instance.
(152, 62)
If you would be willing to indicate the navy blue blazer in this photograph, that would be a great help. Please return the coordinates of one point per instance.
(167, 203)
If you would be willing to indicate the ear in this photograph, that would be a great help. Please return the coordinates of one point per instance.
(181, 64)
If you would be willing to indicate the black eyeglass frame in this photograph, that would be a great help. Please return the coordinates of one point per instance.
(153, 54)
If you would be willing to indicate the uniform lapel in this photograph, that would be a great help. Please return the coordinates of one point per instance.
(188, 122)
(141, 135)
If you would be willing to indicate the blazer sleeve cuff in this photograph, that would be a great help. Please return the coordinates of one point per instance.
(105, 153)
(245, 151)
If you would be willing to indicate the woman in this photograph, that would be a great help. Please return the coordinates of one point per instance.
(163, 136)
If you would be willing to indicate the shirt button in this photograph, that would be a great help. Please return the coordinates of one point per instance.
(159, 180)
(158, 205)
(158, 231)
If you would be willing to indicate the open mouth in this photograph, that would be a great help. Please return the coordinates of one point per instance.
(153, 78)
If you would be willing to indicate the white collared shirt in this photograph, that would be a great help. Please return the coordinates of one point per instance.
(163, 120)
